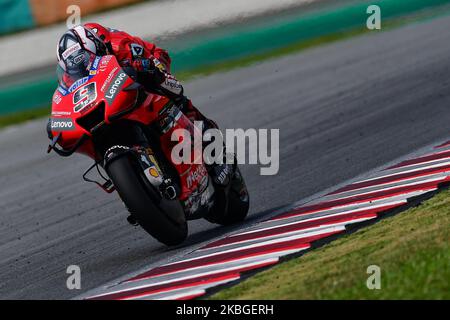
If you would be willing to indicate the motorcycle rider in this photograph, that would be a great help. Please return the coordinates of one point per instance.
(148, 64)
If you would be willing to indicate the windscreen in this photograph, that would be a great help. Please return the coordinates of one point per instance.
(74, 67)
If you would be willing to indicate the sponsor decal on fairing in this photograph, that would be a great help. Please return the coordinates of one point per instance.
(104, 63)
(61, 113)
(108, 79)
(115, 87)
(78, 83)
(57, 98)
(62, 124)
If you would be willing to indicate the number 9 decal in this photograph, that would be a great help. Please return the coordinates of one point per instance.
(84, 96)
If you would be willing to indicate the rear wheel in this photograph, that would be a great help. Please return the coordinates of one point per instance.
(163, 219)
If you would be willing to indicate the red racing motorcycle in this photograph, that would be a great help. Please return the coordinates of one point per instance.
(104, 114)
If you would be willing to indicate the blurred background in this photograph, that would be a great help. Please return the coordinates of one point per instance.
(203, 36)
(27, 14)
(345, 98)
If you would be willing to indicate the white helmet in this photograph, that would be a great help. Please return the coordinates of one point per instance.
(77, 43)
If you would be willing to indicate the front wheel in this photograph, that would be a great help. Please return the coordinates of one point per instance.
(161, 218)
(236, 202)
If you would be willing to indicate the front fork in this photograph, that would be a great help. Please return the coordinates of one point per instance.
(154, 174)
(149, 165)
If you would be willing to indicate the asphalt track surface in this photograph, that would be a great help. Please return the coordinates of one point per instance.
(342, 110)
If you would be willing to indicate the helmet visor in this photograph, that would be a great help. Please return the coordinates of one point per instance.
(74, 67)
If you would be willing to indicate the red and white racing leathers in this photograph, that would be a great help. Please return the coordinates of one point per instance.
(132, 51)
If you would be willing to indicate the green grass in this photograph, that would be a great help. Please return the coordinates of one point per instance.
(412, 249)
(23, 116)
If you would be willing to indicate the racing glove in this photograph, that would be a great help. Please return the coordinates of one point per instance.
(152, 75)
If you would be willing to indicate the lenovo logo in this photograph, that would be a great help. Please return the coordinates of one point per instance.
(116, 86)
(62, 124)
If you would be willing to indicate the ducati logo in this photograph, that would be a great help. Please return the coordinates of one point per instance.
(137, 50)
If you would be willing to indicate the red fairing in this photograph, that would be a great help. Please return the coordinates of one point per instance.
(71, 108)
(104, 90)
(191, 175)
